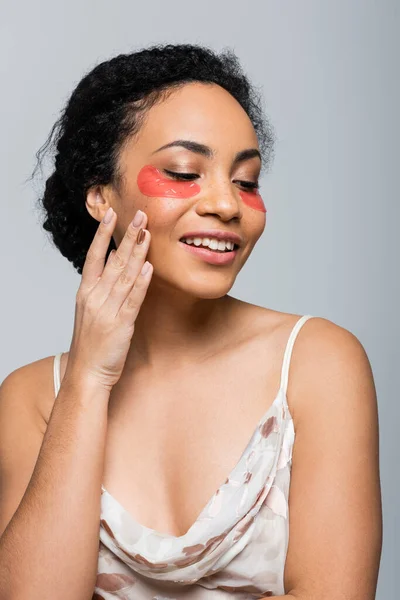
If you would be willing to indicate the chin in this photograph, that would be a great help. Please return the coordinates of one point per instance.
(208, 292)
(197, 284)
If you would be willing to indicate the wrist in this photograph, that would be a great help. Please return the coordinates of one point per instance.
(85, 385)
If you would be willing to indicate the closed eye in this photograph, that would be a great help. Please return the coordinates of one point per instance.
(184, 176)
(248, 185)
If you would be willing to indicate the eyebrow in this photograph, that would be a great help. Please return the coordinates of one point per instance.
(208, 152)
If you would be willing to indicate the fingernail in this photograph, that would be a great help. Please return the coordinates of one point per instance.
(145, 268)
(108, 216)
(141, 236)
(138, 218)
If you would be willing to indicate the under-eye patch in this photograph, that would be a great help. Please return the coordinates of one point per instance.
(253, 199)
(152, 182)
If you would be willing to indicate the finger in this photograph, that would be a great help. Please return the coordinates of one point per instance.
(120, 259)
(127, 278)
(125, 248)
(95, 257)
(131, 306)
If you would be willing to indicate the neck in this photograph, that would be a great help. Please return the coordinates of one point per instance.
(175, 329)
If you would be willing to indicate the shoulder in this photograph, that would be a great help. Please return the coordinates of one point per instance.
(329, 370)
(30, 388)
(329, 364)
(324, 355)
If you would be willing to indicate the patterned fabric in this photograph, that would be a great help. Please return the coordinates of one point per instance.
(237, 545)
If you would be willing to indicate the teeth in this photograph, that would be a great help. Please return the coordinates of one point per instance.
(211, 243)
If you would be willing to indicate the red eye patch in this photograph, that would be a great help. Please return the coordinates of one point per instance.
(151, 182)
(253, 199)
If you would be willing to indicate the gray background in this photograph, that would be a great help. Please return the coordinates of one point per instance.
(329, 75)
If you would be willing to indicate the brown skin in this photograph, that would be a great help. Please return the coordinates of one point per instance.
(189, 333)
(186, 313)
(203, 368)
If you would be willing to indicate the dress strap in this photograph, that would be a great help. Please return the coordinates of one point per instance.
(288, 351)
(57, 373)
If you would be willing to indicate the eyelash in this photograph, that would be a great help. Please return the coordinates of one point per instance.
(249, 185)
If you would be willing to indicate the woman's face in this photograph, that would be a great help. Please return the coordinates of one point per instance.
(212, 199)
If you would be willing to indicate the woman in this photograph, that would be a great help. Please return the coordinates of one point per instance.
(174, 422)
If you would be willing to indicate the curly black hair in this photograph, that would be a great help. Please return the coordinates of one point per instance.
(107, 106)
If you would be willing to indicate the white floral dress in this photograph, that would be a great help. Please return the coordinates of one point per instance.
(237, 545)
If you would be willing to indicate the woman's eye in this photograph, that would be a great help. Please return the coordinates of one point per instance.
(184, 176)
(249, 185)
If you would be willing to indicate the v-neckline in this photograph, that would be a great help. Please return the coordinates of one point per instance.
(281, 395)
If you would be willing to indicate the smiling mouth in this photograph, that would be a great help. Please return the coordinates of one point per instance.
(213, 246)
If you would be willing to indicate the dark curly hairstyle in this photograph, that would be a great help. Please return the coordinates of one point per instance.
(107, 106)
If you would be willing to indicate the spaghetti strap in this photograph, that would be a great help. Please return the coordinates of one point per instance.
(57, 373)
(288, 352)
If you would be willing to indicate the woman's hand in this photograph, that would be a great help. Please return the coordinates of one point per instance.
(107, 303)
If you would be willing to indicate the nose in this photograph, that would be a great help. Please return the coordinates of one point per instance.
(220, 198)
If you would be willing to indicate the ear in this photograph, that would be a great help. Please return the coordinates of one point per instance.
(97, 203)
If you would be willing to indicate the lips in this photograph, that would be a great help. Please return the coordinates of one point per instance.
(213, 257)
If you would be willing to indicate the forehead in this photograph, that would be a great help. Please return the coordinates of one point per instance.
(204, 113)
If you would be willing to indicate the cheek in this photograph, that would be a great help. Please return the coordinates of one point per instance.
(254, 200)
(152, 183)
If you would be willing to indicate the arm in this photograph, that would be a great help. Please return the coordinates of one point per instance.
(50, 490)
(335, 512)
